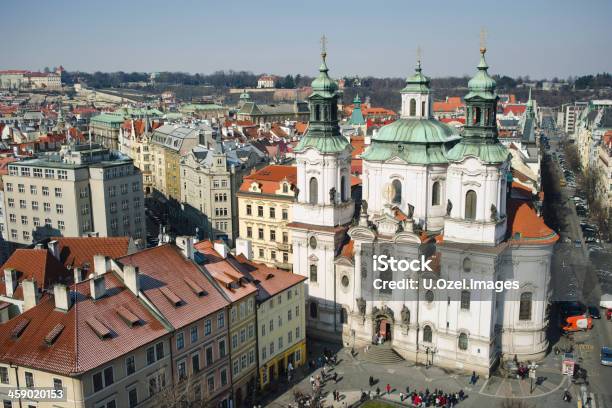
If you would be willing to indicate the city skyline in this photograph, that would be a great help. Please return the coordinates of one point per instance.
(381, 42)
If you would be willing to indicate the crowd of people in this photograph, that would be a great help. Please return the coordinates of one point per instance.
(437, 398)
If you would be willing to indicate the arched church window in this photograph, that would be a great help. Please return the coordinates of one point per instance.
(317, 112)
(285, 188)
(413, 107)
(486, 117)
(313, 273)
(397, 191)
(312, 242)
(525, 306)
(343, 189)
(476, 115)
(313, 191)
(334, 112)
(427, 334)
(423, 108)
(435, 193)
(314, 310)
(463, 341)
(470, 205)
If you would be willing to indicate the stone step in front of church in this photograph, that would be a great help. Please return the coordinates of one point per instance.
(381, 354)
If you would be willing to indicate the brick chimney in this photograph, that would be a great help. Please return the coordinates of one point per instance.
(97, 287)
(30, 294)
(61, 294)
(10, 281)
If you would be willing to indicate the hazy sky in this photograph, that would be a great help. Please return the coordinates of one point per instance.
(539, 38)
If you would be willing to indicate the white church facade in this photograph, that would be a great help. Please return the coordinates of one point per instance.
(427, 191)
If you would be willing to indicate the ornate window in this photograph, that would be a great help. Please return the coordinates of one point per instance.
(463, 341)
(470, 205)
(423, 108)
(525, 306)
(435, 193)
(412, 107)
(314, 191)
(476, 117)
(397, 191)
(313, 272)
(312, 242)
(317, 112)
(427, 334)
(345, 281)
(465, 299)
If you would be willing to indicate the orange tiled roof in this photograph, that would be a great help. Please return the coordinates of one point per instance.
(37, 264)
(526, 227)
(269, 178)
(300, 127)
(451, 104)
(77, 348)
(269, 281)
(515, 109)
(348, 249)
(77, 251)
(164, 270)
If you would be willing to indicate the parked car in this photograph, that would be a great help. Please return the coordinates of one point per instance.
(606, 356)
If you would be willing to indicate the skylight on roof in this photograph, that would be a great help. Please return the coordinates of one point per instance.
(99, 328)
(19, 328)
(171, 296)
(128, 317)
(197, 289)
(52, 336)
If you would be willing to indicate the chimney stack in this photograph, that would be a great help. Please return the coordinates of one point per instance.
(221, 248)
(244, 247)
(10, 281)
(101, 264)
(62, 298)
(185, 243)
(30, 294)
(97, 287)
(78, 275)
(131, 278)
(53, 247)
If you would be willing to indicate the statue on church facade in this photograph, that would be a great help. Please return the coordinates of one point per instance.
(449, 208)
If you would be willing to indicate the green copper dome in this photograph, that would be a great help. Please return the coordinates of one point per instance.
(323, 85)
(417, 83)
(416, 131)
(482, 84)
(416, 141)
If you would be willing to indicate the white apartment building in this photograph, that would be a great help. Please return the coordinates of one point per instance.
(82, 190)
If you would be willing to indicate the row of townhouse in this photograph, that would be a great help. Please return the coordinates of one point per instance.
(112, 327)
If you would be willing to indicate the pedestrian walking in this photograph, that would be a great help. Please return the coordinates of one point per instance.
(473, 378)
(388, 389)
(377, 391)
(371, 381)
(335, 377)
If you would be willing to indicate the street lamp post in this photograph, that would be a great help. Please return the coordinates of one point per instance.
(532, 374)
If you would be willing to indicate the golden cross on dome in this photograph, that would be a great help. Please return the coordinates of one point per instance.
(483, 40)
(323, 45)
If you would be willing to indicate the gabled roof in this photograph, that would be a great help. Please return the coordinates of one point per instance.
(166, 273)
(37, 264)
(77, 251)
(526, 227)
(65, 342)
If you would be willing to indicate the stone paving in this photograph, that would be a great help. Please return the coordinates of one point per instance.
(354, 372)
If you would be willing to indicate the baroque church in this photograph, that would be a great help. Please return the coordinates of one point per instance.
(427, 190)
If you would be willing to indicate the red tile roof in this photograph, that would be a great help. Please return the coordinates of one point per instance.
(76, 347)
(77, 251)
(526, 227)
(269, 281)
(269, 178)
(301, 127)
(451, 104)
(348, 250)
(516, 110)
(165, 269)
(37, 264)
